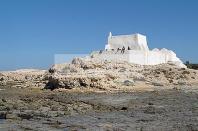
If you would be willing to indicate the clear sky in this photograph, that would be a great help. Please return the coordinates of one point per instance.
(33, 31)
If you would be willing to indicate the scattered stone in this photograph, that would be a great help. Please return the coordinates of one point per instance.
(12, 116)
(23, 78)
(193, 77)
(26, 115)
(128, 83)
(171, 81)
(150, 103)
(3, 100)
(1, 79)
(122, 70)
(3, 114)
(176, 88)
(186, 72)
(157, 84)
(124, 108)
(154, 109)
(180, 82)
(102, 74)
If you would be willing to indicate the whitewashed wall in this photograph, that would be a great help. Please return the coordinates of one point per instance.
(140, 57)
(112, 55)
(135, 42)
(152, 57)
(139, 53)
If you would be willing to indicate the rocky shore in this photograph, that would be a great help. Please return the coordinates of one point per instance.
(35, 109)
(23, 78)
(117, 75)
(104, 75)
(87, 94)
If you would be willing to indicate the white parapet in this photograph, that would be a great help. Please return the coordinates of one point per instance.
(137, 51)
(134, 42)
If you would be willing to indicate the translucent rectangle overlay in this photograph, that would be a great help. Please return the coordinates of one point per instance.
(67, 58)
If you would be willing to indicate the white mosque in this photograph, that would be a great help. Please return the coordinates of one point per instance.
(134, 49)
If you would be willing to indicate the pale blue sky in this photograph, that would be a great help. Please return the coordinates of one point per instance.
(33, 31)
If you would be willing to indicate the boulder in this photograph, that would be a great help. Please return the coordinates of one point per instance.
(3, 114)
(128, 83)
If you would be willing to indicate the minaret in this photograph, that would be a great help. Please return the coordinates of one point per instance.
(110, 35)
(107, 46)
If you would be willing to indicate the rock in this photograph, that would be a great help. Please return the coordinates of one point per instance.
(44, 111)
(151, 109)
(12, 116)
(186, 72)
(69, 82)
(3, 100)
(4, 106)
(193, 77)
(91, 72)
(157, 84)
(1, 79)
(3, 114)
(170, 81)
(176, 88)
(180, 82)
(55, 113)
(128, 83)
(95, 73)
(122, 70)
(22, 78)
(77, 61)
(25, 115)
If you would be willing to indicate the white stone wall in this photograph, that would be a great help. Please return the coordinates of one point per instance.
(147, 57)
(135, 42)
(141, 57)
(142, 42)
(112, 56)
(154, 58)
(139, 53)
(137, 57)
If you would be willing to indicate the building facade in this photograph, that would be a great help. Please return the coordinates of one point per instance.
(136, 51)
